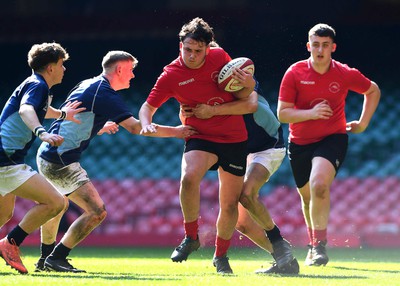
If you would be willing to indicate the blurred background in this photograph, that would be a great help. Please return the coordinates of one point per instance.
(138, 178)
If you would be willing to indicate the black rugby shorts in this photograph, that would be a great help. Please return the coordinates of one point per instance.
(231, 156)
(333, 148)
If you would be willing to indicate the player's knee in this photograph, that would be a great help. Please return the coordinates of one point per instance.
(240, 227)
(187, 183)
(57, 205)
(320, 189)
(248, 200)
(99, 215)
(230, 208)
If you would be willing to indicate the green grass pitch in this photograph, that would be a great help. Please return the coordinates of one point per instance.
(152, 266)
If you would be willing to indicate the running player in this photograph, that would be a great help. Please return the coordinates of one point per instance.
(312, 100)
(60, 164)
(266, 151)
(220, 144)
(20, 123)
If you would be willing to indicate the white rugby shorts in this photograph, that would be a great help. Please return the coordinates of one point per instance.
(11, 177)
(66, 179)
(271, 159)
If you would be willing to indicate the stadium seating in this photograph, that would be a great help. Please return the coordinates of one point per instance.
(138, 178)
(359, 208)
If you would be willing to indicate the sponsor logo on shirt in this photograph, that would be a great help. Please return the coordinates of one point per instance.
(308, 82)
(186, 82)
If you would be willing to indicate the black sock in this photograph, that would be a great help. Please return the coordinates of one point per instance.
(46, 249)
(274, 234)
(60, 251)
(17, 235)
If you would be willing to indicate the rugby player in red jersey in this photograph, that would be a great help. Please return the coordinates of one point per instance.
(312, 100)
(221, 140)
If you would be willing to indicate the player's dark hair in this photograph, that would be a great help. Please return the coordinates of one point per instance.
(113, 57)
(40, 55)
(198, 30)
(322, 30)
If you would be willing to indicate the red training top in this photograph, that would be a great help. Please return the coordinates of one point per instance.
(195, 86)
(304, 87)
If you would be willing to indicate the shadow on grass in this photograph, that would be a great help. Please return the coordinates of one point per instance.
(366, 270)
(338, 277)
(109, 276)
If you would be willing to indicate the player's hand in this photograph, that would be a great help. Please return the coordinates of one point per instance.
(355, 127)
(71, 109)
(321, 110)
(110, 128)
(148, 129)
(52, 139)
(184, 131)
(203, 111)
(186, 111)
(244, 78)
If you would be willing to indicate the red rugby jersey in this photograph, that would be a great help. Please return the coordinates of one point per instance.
(195, 86)
(304, 87)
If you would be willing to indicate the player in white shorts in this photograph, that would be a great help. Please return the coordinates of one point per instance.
(20, 123)
(60, 164)
(266, 151)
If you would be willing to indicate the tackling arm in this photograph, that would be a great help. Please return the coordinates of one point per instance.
(237, 107)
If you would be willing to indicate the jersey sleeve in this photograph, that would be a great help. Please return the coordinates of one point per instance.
(287, 90)
(161, 91)
(112, 107)
(357, 81)
(35, 94)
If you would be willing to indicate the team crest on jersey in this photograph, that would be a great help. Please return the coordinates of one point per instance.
(214, 76)
(334, 87)
(215, 101)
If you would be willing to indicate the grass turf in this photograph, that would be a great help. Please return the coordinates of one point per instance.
(152, 266)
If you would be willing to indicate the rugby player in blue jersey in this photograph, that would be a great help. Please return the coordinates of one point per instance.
(60, 164)
(20, 123)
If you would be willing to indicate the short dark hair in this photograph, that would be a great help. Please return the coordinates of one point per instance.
(40, 55)
(112, 57)
(322, 30)
(198, 30)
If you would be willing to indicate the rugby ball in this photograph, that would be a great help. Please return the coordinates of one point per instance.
(226, 81)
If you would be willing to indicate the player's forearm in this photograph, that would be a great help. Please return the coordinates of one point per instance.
(29, 116)
(371, 101)
(164, 131)
(238, 107)
(244, 92)
(292, 115)
(146, 114)
(52, 113)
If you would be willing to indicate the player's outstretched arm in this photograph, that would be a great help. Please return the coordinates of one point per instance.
(146, 113)
(181, 131)
(109, 127)
(67, 112)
